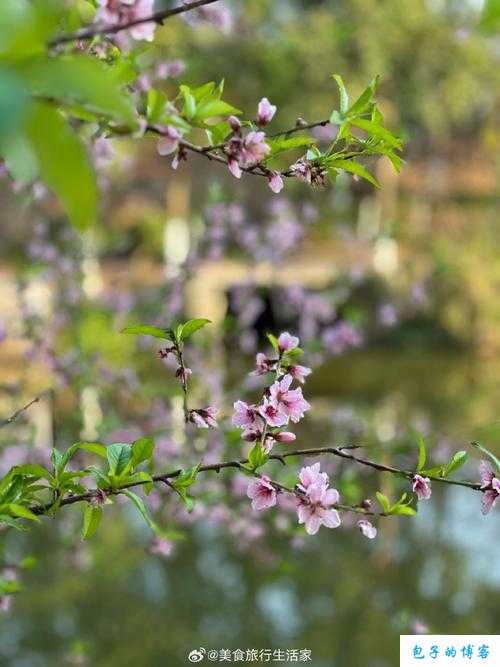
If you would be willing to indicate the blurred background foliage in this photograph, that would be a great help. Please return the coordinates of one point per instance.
(394, 295)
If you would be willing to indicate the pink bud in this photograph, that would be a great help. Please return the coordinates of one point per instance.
(234, 167)
(234, 123)
(285, 436)
(275, 181)
(265, 112)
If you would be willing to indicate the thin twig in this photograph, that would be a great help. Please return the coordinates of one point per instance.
(95, 29)
(19, 412)
(241, 465)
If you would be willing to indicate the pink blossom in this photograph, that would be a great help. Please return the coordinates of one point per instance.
(262, 365)
(268, 443)
(275, 181)
(262, 493)
(169, 141)
(288, 401)
(287, 342)
(254, 149)
(299, 372)
(284, 437)
(122, 11)
(271, 413)
(247, 416)
(489, 500)
(422, 487)
(310, 475)
(170, 68)
(234, 167)
(161, 547)
(367, 528)
(234, 123)
(314, 510)
(486, 473)
(183, 373)
(265, 112)
(204, 417)
(309, 173)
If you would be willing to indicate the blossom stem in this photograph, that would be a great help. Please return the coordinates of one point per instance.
(19, 412)
(96, 29)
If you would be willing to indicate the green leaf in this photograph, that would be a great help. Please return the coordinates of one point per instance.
(362, 104)
(11, 522)
(34, 470)
(92, 515)
(148, 330)
(156, 104)
(354, 168)
(257, 456)
(23, 512)
(489, 454)
(404, 510)
(187, 477)
(344, 97)
(142, 450)
(64, 164)
(281, 144)
(383, 502)
(213, 108)
(422, 454)
(119, 457)
(64, 459)
(26, 27)
(81, 80)
(376, 131)
(273, 340)
(143, 477)
(189, 109)
(189, 328)
(457, 461)
(142, 509)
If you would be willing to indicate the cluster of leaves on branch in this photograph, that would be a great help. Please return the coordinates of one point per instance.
(67, 90)
(29, 491)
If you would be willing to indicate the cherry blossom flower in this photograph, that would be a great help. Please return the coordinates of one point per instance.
(183, 373)
(287, 342)
(309, 173)
(263, 365)
(275, 181)
(367, 528)
(422, 487)
(161, 547)
(491, 484)
(310, 475)
(299, 372)
(234, 123)
(122, 11)
(204, 417)
(247, 416)
(265, 112)
(314, 510)
(262, 493)
(272, 414)
(234, 167)
(288, 401)
(169, 140)
(255, 149)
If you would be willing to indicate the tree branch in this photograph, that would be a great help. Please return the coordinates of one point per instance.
(95, 29)
(341, 452)
(18, 413)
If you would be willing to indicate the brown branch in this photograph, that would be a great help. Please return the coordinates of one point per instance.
(342, 452)
(18, 413)
(95, 29)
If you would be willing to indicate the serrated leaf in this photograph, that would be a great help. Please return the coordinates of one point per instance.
(64, 164)
(375, 130)
(362, 104)
(213, 108)
(281, 144)
(457, 461)
(383, 502)
(354, 168)
(148, 330)
(142, 450)
(273, 340)
(119, 456)
(422, 454)
(92, 515)
(23, 512)
(190, 327)
(344, 97)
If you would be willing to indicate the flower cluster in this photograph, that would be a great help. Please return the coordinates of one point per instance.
(115, 12)
(280, 403)
(491, 485)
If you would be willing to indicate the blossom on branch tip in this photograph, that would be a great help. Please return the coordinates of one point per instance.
(263, 365)
(265, 112)
(284, 437)
(367, 528)
(183, 373)
(204, 417)
(491, 484)
(422, 487)
(287, 342)
(310, 475)
(316, 510)
(262, 493)
(234, 123)
(309, 173)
